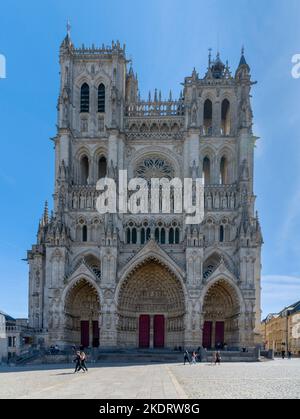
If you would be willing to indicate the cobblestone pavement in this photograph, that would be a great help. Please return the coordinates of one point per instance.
(276, 379)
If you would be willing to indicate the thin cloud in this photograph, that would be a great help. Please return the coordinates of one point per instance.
(279, 291)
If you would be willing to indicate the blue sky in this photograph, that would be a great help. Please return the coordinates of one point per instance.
(166, 39)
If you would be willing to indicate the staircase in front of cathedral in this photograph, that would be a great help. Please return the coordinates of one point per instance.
(141, 357)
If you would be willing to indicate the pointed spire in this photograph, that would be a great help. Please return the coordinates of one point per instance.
(194, 74)
(46, 214)
(170, 96)
(68, 29)
(243, 59)
(67, 43)
(155, 95)
(209, 57)
(131, 73)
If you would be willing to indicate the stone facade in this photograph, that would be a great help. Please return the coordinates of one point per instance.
(281, 331)
(3, 338)
(148, 280)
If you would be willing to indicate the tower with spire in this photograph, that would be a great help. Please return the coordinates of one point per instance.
(148, 280)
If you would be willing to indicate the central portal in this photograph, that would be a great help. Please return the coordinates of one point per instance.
(151, 331)
(151, 309)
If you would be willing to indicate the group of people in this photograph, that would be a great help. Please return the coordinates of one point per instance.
(196, 357)
(54, 350)
(80, 360)
(283, 354)
(191, 360)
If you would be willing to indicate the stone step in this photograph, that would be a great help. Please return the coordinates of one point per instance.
(143, 356)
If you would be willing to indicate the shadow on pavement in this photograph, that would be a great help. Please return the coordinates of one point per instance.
(71, 366)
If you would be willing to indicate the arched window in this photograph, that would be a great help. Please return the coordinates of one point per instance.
(134, 236)
(128, 236)
(143, 236)
(206, 171)
(85, 98)
(163, 236)
(177, 236)
(84, 233)
(221, 234)
(157, 235)
(207, 117)
(102, 168)
(101, 98)
(84, 170)
(171, 236)
(225, 123)
(224, 171)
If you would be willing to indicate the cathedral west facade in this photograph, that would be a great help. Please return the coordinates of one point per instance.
(148, 280)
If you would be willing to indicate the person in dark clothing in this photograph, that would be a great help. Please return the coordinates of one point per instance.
(283, 354)
(218, 358)
(77, 359)
(186, 357)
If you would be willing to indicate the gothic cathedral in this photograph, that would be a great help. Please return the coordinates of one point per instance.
(148, 280)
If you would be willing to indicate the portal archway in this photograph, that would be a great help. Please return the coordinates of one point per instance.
(82, 312)
(151, 308)
(221, 312)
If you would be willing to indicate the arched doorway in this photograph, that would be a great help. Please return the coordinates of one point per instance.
(221, 310)
(151, 308)
(82, 311)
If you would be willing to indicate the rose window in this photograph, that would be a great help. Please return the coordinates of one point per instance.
(156, 168)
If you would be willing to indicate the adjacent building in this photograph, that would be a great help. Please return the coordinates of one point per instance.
(281, 331)
(3, 338)
(16, 337)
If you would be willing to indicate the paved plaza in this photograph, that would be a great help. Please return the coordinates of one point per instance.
(274, 379)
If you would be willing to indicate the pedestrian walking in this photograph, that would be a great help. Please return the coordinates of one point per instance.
(83, 359)
(194, 358)
(283, 354)
(218, 358)
(214, 357)
(186, 357)
(78, 362)
(290, 354)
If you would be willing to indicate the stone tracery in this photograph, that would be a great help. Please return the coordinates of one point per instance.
(154, 167)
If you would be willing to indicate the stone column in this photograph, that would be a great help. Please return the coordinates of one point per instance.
(217, 118)
(151, 332)
(108, 325)
(108, 328)
(193, 332)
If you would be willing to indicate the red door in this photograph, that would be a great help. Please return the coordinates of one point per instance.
(219, 333)
(144, 331)
(159, 331)
(207, 333)
(95, 334)
(85, 333)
